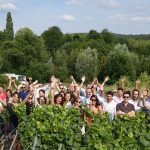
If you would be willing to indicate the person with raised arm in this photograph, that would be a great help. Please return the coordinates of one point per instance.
(100, 92)
(109, 105)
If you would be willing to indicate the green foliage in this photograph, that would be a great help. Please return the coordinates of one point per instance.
(53, 126)
(5, 116)
(132, 132)
(12, 57)
(9, 32)
(3, 80)
(99, 133)
(145, 64)
(31, 45)
(20, 111)
(2, 36)
(41, 71)
(107, 36)
(86, 63)
(60, 62)
(141, 47)
(93, 34)
(145, 80)
(122, 62)
(53, 38)
(19, 54)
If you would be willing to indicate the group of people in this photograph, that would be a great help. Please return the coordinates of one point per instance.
(92, 96)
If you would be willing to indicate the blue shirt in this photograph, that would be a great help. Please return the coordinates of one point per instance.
(23, 94)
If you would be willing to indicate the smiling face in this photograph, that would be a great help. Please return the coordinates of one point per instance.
(41, 93)
(30, 98)
(58, 100)
(109, 97)
(15, 98)
(93, 101)
(67, 97)
(135, 95)
(126, 97)
(120, 93)
(42, 100)
(88, 93)
(78, 102)
(8, 94)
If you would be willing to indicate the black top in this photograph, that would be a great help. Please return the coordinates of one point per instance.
(12, 115)
(125, 109)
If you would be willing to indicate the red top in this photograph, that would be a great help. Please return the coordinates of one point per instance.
(3, 96)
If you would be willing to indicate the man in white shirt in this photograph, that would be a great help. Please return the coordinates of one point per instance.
(119, 98)
(86, 99)
(134, 100)
(109, 105)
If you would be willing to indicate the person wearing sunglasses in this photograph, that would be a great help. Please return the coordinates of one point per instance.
(77, 102)
(125, 107)
(95, 105)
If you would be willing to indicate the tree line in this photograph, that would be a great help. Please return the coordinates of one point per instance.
(93, 54)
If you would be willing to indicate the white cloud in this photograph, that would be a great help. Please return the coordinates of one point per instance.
(73, 2)
(141, 20)
(96, 3)
(128, 19)
(107, 3)
(7, 6)
(119, 18)
(67, 18)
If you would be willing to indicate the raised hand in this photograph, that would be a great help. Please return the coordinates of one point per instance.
(106, 79)
(83, 78)
(71, 77)
(137, 81)
(53, 78)
(13, 81)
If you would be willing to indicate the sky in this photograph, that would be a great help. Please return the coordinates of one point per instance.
(74, 16)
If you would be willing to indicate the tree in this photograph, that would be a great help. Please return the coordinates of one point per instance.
(93, 34)
(12, 57)
(53, 39)
(2, 37)
(60, 65)
(121, 62)
(145, 64)
(39, 71)
(87, 63)
(9, 32)
(31, 46)
(107, 36)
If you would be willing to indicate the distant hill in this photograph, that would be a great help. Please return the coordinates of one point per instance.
(136, 36)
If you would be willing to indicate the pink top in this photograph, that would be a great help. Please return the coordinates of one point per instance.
(3, 96)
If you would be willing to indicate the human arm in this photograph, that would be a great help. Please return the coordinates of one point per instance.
(82, 81)
(118, 111)
(72, 79)
(9, 83)
(4, 104)
(100, 108)
(136, 84)
(101, 86)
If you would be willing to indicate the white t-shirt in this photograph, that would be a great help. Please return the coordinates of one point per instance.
(134, 102)
(109, 107)
(117, 99)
